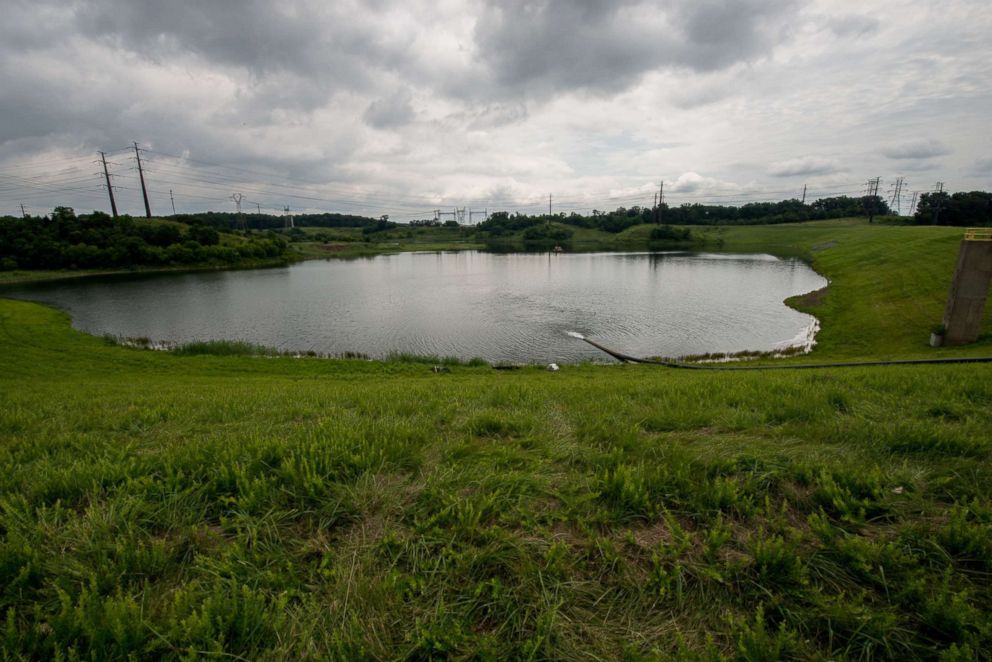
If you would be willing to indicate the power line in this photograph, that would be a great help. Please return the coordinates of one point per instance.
(410, 200)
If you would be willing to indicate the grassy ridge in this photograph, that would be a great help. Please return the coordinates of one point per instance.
(888, 286)
(157, 505)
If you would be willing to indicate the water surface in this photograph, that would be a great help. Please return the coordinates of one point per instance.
(511, 307)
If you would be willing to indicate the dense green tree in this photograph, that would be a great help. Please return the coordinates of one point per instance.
(969, 208)
(67, 241)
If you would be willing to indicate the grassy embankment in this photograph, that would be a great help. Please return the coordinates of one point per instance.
(351, 242)
(160, 505)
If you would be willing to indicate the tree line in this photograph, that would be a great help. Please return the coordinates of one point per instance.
(64, 240)
(234, 221)
(965, 209)
(502, 224)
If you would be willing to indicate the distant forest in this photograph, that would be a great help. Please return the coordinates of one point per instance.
(67, 241)
(754, 213)
(233, 221)
(966, 209)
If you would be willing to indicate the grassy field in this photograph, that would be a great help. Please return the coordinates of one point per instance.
(159, 505)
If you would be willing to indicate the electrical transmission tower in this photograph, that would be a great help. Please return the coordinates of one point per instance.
(24, 213)
(472, 214)
(237, 197)
(172, 199)
(938, 198)
(289, 223)
(871, 196)
(912, 205)
(895, 195)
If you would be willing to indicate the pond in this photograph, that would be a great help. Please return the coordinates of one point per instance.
(500, 307)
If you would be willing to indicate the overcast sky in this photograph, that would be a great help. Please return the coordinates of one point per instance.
(401, 107)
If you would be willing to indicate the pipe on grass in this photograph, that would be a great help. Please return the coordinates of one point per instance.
(626, 358)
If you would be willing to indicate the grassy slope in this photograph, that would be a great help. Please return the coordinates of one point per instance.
(393, 241)
(888, 287)
(163, 505)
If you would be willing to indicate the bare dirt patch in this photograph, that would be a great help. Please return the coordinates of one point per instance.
(810, 299)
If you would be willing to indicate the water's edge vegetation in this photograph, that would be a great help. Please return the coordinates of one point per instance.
(160, 505)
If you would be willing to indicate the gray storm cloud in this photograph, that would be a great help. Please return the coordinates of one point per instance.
(391, 112)
(809, 165)
(916, 149)
(545, 47)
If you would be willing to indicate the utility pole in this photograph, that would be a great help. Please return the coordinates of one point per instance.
(896, 199)
(661, 200)
(110, 189)
(872, 193)
(237, 204)
(549, 208)
(804, 194)
(938, 190)
(173, 201)
(23, 213)
(141, 176)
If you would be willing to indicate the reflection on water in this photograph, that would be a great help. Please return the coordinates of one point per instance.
(510, 307)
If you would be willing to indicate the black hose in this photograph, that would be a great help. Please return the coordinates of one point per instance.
(794, 366)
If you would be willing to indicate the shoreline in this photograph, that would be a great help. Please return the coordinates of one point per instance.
(780, 351)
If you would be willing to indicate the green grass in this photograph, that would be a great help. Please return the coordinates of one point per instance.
(888, 285)
(353, 243)
(160, 505)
